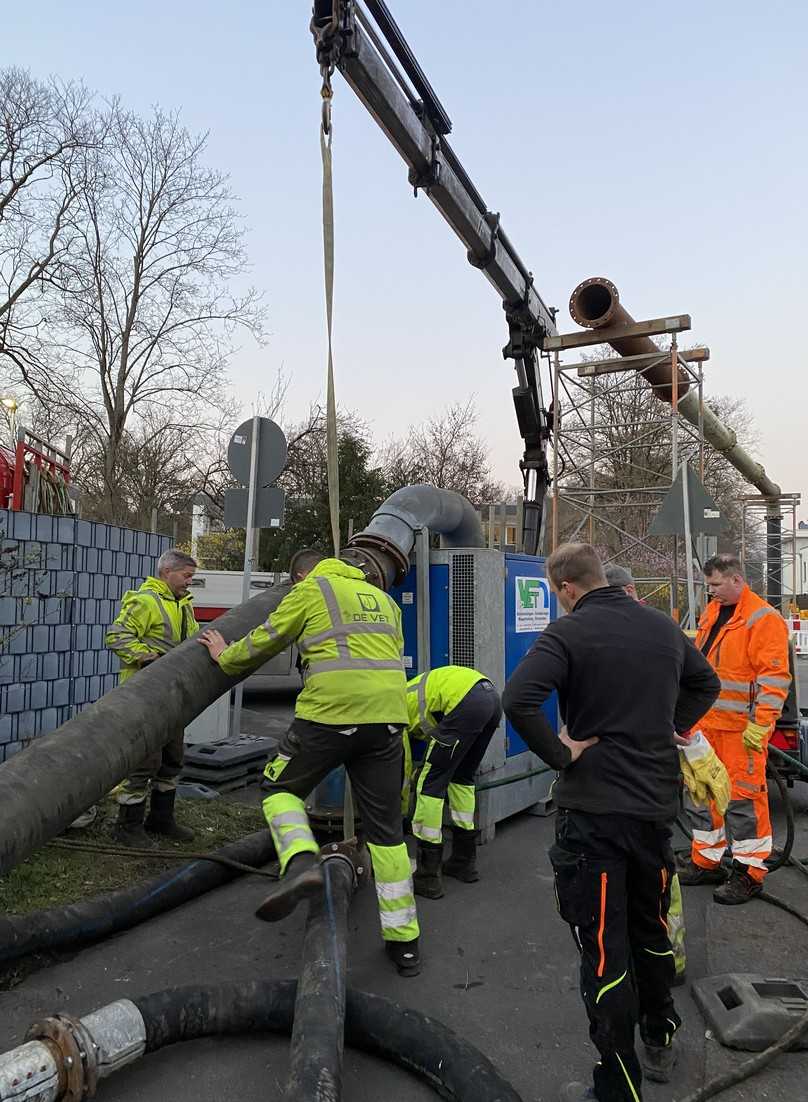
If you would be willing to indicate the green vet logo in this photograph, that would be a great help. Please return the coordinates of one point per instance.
(532, 604)
(531, 593)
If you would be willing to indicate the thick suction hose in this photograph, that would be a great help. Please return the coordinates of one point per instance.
(315, 1063)
(50, 783)
(116, 1035)
(91, 920)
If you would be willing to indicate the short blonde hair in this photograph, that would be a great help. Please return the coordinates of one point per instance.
(577, 563)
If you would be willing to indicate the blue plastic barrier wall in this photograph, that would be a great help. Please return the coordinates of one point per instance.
(61, 581)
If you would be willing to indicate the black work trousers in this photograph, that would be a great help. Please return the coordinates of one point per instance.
(372, 754)
(612, 875)
(459, 742)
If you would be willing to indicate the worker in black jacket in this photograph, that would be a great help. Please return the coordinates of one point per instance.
(626, 678)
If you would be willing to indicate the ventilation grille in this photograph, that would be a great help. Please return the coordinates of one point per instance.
(462, 582)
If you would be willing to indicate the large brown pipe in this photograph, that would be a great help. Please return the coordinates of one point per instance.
(595, 303)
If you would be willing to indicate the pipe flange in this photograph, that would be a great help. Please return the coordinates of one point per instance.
(589, 320)
(355, 855)
(377, 548)
(74, 1051)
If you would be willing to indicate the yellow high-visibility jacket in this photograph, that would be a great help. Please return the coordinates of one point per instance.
(151, 621)
(439, 690)
(348, 633)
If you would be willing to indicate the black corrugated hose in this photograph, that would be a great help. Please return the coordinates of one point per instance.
(83, 923)
(455, 1069)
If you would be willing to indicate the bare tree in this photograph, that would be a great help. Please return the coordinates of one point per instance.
(445, 451)
(148, 319)
(47, 130)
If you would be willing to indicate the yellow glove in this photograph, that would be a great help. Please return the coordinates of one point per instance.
(755, 737)
(704, 773)
(696, 788)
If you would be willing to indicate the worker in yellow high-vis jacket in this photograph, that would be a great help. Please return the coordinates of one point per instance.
(458, 711)
(153, 620)
(352, 710)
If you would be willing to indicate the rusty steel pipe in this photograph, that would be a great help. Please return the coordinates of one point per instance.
(596, 303)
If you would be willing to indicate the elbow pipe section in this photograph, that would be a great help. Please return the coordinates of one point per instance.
(125, 1030)
(80, 924)
(58, 776)
(390, 535)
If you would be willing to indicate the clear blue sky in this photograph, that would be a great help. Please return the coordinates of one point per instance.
(663, 146)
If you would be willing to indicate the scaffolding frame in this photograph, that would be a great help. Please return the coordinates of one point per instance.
(576, 385)
(768, 513)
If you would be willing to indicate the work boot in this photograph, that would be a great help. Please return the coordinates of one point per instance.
(426, 878)
(303, 879)
(577, 1092)
(128, 830)
(740, 888)
(405, 956)
(658, 1062)
(161, 817)
(691, 874)
(462, 865)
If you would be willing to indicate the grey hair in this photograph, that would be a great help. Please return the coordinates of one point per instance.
(174, 560)
(618, 575)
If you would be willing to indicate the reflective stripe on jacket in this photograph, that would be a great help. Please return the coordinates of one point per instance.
(439, 690)
(151, 621)
(750, 655)
(349, 637)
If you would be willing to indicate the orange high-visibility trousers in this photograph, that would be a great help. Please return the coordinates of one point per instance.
(748, 828)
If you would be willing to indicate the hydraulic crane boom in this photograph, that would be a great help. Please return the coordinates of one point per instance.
(367, 47)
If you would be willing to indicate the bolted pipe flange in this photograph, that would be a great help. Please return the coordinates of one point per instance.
(74, 1051)
(353, 854)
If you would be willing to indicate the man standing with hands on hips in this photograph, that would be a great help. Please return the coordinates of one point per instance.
(626, 678)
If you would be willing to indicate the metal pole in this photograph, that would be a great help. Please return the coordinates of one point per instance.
(592, 462)
(556, 421)
(691, 585)
(675, 466)
(154, 520)
(794, 553)
(422, 597)
(774, 555)
(249, 555)
(315, 1065)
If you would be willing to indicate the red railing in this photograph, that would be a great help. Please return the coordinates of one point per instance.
(43, 455)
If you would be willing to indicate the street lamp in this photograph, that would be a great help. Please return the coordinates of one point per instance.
(11, 405)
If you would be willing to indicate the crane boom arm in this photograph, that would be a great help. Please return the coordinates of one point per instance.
(348, 41)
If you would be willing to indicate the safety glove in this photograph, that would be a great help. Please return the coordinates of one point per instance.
(704, 773)
(755, 736)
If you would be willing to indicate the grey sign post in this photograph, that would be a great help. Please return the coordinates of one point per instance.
(688, 510)
(256, 456)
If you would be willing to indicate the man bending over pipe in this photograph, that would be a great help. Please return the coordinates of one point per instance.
(457, 710)
(352, 711)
